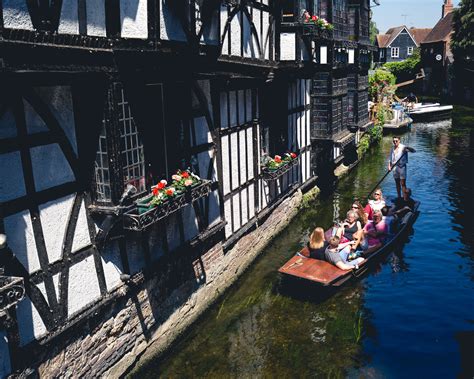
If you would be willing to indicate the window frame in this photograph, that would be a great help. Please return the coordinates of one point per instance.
(410, 50)
(393, 50)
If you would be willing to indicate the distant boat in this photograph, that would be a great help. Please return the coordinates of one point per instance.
(430, 112)
(400, 120)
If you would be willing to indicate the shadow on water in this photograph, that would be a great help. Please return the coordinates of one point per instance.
(402, 319)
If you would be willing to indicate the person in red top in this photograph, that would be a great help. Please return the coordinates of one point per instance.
(374, 233)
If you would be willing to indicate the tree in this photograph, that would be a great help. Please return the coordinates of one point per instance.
(373, 31)
(406, 69)
(462, 46)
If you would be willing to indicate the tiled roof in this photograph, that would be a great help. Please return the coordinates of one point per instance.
(419, 35)
(441, 31)
(384, 40)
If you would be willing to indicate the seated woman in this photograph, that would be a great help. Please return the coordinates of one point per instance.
(359, 209)
(376, 204)
(349, 227)
(317, 244)
(375, 233)
(338, 258)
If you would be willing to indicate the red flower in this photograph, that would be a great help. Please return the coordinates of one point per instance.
(185, 174)
(293, 155)
(155, 191)
(162, 184)
(170, 191)
(314, 18)
(277, 159)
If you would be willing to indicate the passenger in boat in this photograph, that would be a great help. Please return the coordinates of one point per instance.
(337, 255)
(399, 157)
(349, 227)
(390, 219)
(405, 204)
(375, 233)
(410, 100)
(317, 244)
(359, 209)
(376, 204)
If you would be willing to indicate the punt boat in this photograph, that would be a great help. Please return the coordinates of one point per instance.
(430, 112)
(302, 267)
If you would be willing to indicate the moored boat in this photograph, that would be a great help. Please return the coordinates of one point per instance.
(430, 112)
(301, 266)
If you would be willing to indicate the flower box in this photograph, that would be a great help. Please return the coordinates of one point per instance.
(273, 173)
(144, 214)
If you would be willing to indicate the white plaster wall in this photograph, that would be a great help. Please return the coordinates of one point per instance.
(266, 34)
(233, 108)
(236, 39)
(95, 13)
(134, 18)
(191, 229)
(202, 131)
(69, 21)
(34, 123)
(16, 15)
(225, 165)
(250, 156)
(249, 45)
(170, 27)
(54, 218)
(323, 57)
(228, 217)
(5, 366)
(112, 264)
(214, 209)
(204, 161)
(236, 213)
(81, 234)
(351, 56)
(59, 100)
(243, 157)
(19, 231)
(83, 285)
(50, 167)
(12, 184)
(30, 324)
(7, 125)
(256, 18)
(224, 14)
(234, 159)
(287, 47)
(223, 110)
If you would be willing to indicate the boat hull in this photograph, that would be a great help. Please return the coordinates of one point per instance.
(432, 114)
(301, 267)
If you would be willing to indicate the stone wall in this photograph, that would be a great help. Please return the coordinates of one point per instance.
(147, 318)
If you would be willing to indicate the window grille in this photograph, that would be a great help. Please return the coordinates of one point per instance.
(410, 50)
(102, 173)
(131, 147)
(395, 52)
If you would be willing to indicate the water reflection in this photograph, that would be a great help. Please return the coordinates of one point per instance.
(399, 321)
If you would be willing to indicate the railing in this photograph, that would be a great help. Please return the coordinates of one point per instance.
(142, 214)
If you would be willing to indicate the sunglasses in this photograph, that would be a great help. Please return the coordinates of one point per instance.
(376, 194)
(355, 207)
(396, 140)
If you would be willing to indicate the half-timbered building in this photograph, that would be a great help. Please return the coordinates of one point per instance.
(99, 100)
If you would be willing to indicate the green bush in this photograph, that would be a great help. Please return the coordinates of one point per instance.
(380, 82)
(407, 69)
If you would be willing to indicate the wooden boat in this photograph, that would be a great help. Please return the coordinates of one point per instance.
(400, 121)
(430, 112)
(326, 274)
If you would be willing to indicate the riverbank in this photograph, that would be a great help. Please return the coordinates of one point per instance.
(409, 318)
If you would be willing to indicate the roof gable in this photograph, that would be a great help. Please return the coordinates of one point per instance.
(441, 31)
(385, 40)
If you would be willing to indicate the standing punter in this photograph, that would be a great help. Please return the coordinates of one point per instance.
(399, 154)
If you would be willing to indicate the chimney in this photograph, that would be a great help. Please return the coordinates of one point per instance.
(447, 8)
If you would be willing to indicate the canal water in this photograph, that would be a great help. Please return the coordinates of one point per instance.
(412, 316)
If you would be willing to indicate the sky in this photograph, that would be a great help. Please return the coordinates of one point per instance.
(418, 13)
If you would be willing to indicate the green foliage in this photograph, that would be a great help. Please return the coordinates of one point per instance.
(373, 31)
(406, 69)
(375, 133)
(462, 40)
(379, 83)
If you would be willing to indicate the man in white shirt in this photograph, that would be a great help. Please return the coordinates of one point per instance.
(399, 160)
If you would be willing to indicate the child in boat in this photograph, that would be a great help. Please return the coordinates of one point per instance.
(317, 244)
(337, 253)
